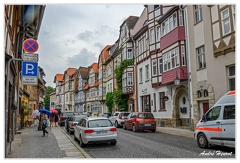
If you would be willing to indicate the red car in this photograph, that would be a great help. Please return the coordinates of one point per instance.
(140, 121)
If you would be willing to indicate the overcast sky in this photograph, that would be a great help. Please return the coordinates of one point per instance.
(74, 35)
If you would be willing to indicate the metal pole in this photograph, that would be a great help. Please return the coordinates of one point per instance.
(6, 100)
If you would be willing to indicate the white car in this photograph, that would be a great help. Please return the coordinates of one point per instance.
(93, 130)
(118, 118)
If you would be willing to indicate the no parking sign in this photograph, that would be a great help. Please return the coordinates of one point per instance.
(30, 45)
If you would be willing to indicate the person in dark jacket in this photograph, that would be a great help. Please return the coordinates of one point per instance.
(44, 124)
(56, 120)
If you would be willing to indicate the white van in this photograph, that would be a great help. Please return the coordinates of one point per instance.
(217, 126)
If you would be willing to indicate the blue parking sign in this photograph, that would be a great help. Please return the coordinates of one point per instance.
(30, 69)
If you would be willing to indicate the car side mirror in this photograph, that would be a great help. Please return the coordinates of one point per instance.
(204, 118)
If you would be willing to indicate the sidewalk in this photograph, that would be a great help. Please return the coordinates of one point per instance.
(30, 144)
(176, 131)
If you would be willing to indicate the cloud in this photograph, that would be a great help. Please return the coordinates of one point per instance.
(100, 45)
(85, 36)
(84, 58)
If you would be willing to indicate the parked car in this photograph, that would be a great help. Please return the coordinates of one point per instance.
(73, 121)
(94, 114)
(94, 130)
(118, 118)
(107, 115)
(88, 114)
(140, 121)
(217, 126)
(63, 117)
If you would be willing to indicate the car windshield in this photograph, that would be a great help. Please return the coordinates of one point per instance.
(78, 118)
(125, 114)
(146, 115)
(99, 123)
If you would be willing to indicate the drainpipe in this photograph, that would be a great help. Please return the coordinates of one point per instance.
(184, 9)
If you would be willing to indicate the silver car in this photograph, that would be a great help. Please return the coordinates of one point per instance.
(93, 130)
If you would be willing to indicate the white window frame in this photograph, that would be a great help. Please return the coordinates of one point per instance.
(183, 55)
(160, 66)
(130, 53)
(154, 67)
(158, 33)
(233, 16)
(171, 60)
(226, 22)
(180, 18)
(151, 35)
(197, 13)
(147, 75)
(129, 79)
(169, 24)
(230, 77)
(201, 57)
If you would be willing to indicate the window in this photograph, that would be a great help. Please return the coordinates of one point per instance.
(130, 79)
(147, 72)
(70, 96)
(231, 78)
(158, 33)
(183, 55)
(229, 112)
(169, 24)
(140, 47)
(152, 40)
(233, 15)
(129, 54)
(162, 101)
(213, 114)
(160, 66)
(201, 57)
(140, 75)
(198, 13)
(154, 67)
(180, 18)
(171, 59)
(226, 27)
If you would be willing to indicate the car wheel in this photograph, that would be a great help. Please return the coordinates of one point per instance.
(202, 141)
(113, 143)
(116, 124)
(81, 142)
(124, 127)
(134, 128)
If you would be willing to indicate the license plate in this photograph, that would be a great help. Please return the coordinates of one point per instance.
(147, 124)
(101, 132)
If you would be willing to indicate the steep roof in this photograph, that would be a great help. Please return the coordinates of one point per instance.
(131, 21)
(83, 72)
(104, 54)
(95, 67)
(70, 71)
(58, 77)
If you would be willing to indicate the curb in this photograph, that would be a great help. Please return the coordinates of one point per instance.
(75, 144)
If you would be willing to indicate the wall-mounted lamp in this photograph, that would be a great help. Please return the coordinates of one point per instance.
(177, 80)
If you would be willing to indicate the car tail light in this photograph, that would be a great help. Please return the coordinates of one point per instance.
(113, 129)
(119, 116)
(88, 131)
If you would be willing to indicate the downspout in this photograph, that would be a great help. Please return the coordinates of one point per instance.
(184, 9)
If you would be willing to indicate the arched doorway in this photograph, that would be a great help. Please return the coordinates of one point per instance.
(180, 96)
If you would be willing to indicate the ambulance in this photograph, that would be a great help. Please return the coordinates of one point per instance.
(217, 126)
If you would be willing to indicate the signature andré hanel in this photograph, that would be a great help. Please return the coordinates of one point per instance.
(215, 153)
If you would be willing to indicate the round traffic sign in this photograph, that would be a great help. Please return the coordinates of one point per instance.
(30, 45)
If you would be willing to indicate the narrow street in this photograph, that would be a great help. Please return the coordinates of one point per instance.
(154, 145)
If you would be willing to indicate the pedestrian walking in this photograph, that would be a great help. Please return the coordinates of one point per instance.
(51, 120)
(56, 120)
(44, 124)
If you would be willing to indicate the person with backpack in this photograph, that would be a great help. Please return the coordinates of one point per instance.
(44, 124)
